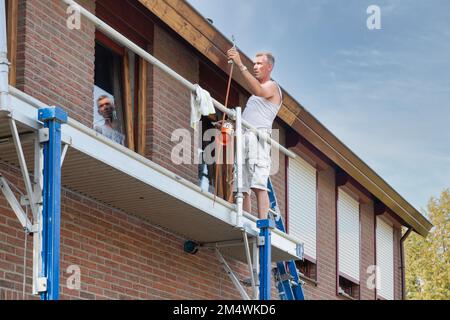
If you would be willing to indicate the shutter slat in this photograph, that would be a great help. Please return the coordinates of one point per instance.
(385, 259)
(303, 203)
(348, 228)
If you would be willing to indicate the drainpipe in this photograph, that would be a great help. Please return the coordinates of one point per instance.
(4, 63)
(402, 261)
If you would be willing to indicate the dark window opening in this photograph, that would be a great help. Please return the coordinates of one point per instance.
(348, 288)
(215, 82)
(108, 80)
(307, 269)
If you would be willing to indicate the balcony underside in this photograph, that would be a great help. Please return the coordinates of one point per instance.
(116, 176)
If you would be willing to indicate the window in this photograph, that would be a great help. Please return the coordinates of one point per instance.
(137, 24)
(215, 82)
(108, 111)
(385, 259)
(302, 205)
(348, 223)
(348, 288)
(308, 270)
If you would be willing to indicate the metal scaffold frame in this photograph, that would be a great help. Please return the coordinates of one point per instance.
(51, 214)
(52, 134)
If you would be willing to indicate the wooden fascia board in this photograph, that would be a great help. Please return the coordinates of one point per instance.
(211, 43)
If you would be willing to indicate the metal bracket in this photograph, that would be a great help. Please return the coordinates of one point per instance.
(300, 251)
(24, 201)
(34, 228)
(15, 205)
(234, 279)
(43, 135)
(42, 284)
(261, 241)
(283, 277)
(63, 153)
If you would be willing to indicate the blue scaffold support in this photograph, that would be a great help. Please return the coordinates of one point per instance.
(265, 260)
(51, 193)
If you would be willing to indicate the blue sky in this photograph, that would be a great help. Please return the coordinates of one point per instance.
(384, 93)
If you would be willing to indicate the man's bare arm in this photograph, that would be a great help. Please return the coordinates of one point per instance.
(266, 90)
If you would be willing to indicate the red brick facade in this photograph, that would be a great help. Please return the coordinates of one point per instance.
(170, 108)
(121, 256)
(55, 64)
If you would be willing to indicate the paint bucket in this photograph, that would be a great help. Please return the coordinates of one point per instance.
(226, 133)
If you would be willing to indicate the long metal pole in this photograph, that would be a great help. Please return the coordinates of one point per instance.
(256, 269)
(232, 276)
(239, 159)
(4, 63)
(37, 236)
(52, 118)
(265, 258)
(249, 262)
(23, 165)
(151, 59)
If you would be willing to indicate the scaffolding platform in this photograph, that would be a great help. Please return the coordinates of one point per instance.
(114, 175)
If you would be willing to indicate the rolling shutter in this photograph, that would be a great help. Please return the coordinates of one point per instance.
(303, 203)
(385, 259)
(348, 235)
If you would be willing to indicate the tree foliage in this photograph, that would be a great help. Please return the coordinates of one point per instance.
(428, 260)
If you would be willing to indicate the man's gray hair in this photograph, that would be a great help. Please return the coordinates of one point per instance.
(269, 56)
(104, 96)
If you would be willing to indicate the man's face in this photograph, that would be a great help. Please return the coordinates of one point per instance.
(261, 68)
(105, 108)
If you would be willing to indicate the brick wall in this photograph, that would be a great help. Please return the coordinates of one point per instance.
(55, 64)
(12, 243)
(326, 241)
(279, 177)
(170, 109)
(120, 256)
(397, 264)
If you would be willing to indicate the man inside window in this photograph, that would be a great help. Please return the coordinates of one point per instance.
(109, 128)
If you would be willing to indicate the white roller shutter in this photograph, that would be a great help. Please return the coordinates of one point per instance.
(385, 259)
(302, 197)
(348, 231)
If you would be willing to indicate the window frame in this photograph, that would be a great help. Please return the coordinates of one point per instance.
(391, 225)
(128, 114)
(137, 24)
(356, 283)
(214, 80)
(12, 16)
(287, 218)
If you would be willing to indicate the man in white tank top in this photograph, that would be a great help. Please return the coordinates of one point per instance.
(260, 112)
